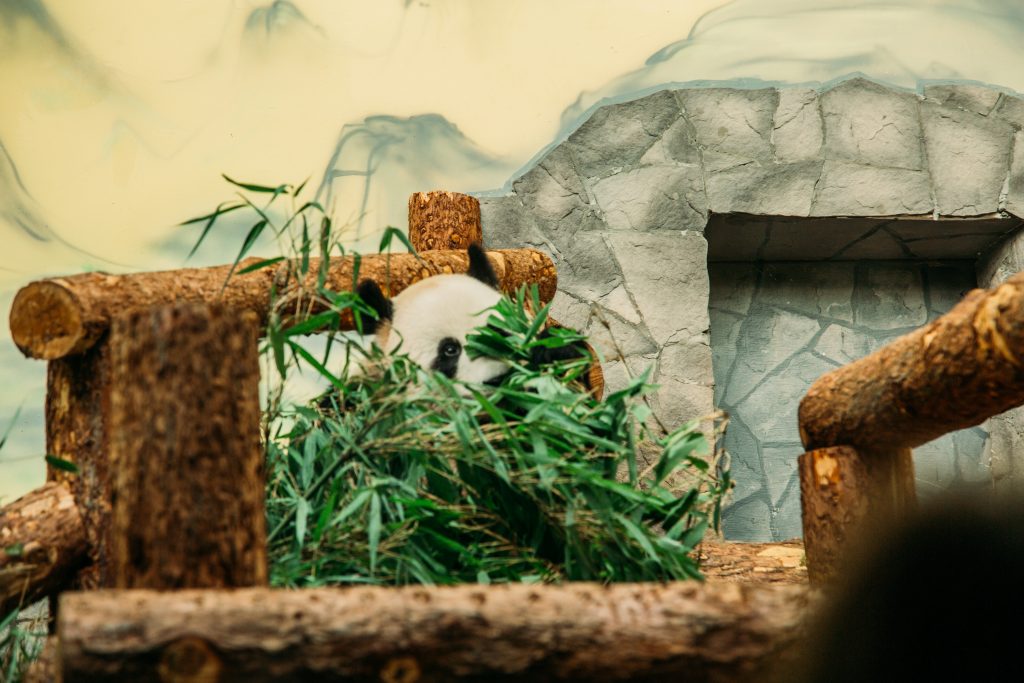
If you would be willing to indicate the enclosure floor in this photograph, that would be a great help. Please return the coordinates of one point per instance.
(783, 562)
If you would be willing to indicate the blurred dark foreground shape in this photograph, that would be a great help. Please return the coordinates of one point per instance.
(939, 599)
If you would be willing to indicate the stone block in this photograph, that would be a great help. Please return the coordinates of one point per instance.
(680, 402)
(815, 290)
(666, 275)
(687, 361)
(889, 296)
(770, 410)
(619, 335)
(618, 301)
(872, 125)
(507, 224)
(768, 339)
(843, 345)
(653, 198)
(968, 156)
(744, 453)
(736, 237)
(811, 240)
(587, 267)
(1015, 183)
(725, 331)
(877, 245)
(732, 121)
(748, 520)
(764, 188)
(1010, 109)
(797, 130)
(677, 145)
(851, 189)
(780, 472)
(616, 136)
(732, 286)
(552, 188)
(978, 99)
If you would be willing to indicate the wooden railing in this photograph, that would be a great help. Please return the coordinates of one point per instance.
(152, 397)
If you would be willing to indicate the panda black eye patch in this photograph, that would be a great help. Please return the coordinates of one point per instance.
(447, 359)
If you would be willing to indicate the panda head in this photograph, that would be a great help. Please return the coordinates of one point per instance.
(430, 320)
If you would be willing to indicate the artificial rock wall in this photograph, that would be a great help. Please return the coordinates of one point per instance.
(625, 206)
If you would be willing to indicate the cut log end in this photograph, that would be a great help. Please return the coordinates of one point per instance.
(46, 321)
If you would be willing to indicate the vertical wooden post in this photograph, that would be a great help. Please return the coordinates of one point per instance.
(443, 220)
(76, 431)
(184, 446)
(845, 492)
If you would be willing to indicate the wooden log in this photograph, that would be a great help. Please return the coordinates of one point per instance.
(65, 316)
(188, 494)
(578, 631)
(443, 220)
(845, 492)
(951, 374)
(42, 545)
(76, 393)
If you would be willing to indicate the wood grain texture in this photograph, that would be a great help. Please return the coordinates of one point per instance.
(188, 489)
(579, 631)
(843, 493)
(443, 220)
(42, 545)
(66, 316)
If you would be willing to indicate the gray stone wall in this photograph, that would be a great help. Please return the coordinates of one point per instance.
(775, 328)
(622, 204)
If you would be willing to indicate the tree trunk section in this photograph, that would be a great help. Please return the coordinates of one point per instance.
(951, 374)
(574, 632)
(42, 545)
(65, 316)
(844, 493)
(443, 220)
(77, 392)
(185, 445)
(45, 669)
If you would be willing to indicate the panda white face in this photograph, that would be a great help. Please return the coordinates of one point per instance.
(430, 320)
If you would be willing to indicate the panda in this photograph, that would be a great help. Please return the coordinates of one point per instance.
(430, 320)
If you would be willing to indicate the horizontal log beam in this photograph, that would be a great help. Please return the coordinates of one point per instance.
(953, 373)
(65, 316)
(681, 631)
(42, 545)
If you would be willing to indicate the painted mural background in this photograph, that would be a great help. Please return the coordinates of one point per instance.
(117, 119)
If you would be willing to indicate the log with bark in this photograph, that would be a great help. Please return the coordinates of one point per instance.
(64, 316)
(443, 220)
(953, 373)
(42, 545)
(858, 423)
(188, 477)
(581, 631)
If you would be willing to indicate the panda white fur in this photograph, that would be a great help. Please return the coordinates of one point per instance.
(430, 320)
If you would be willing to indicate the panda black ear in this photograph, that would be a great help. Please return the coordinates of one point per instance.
(371, 294)
(479, 267)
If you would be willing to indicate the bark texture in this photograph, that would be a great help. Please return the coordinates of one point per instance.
(77, 393)
(42, 545)
(443, 220)
(953, 373)
(844, 492)
(65, 316)
(629, 632)
(188, 488)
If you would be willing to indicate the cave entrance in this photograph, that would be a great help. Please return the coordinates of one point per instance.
(793, 298)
